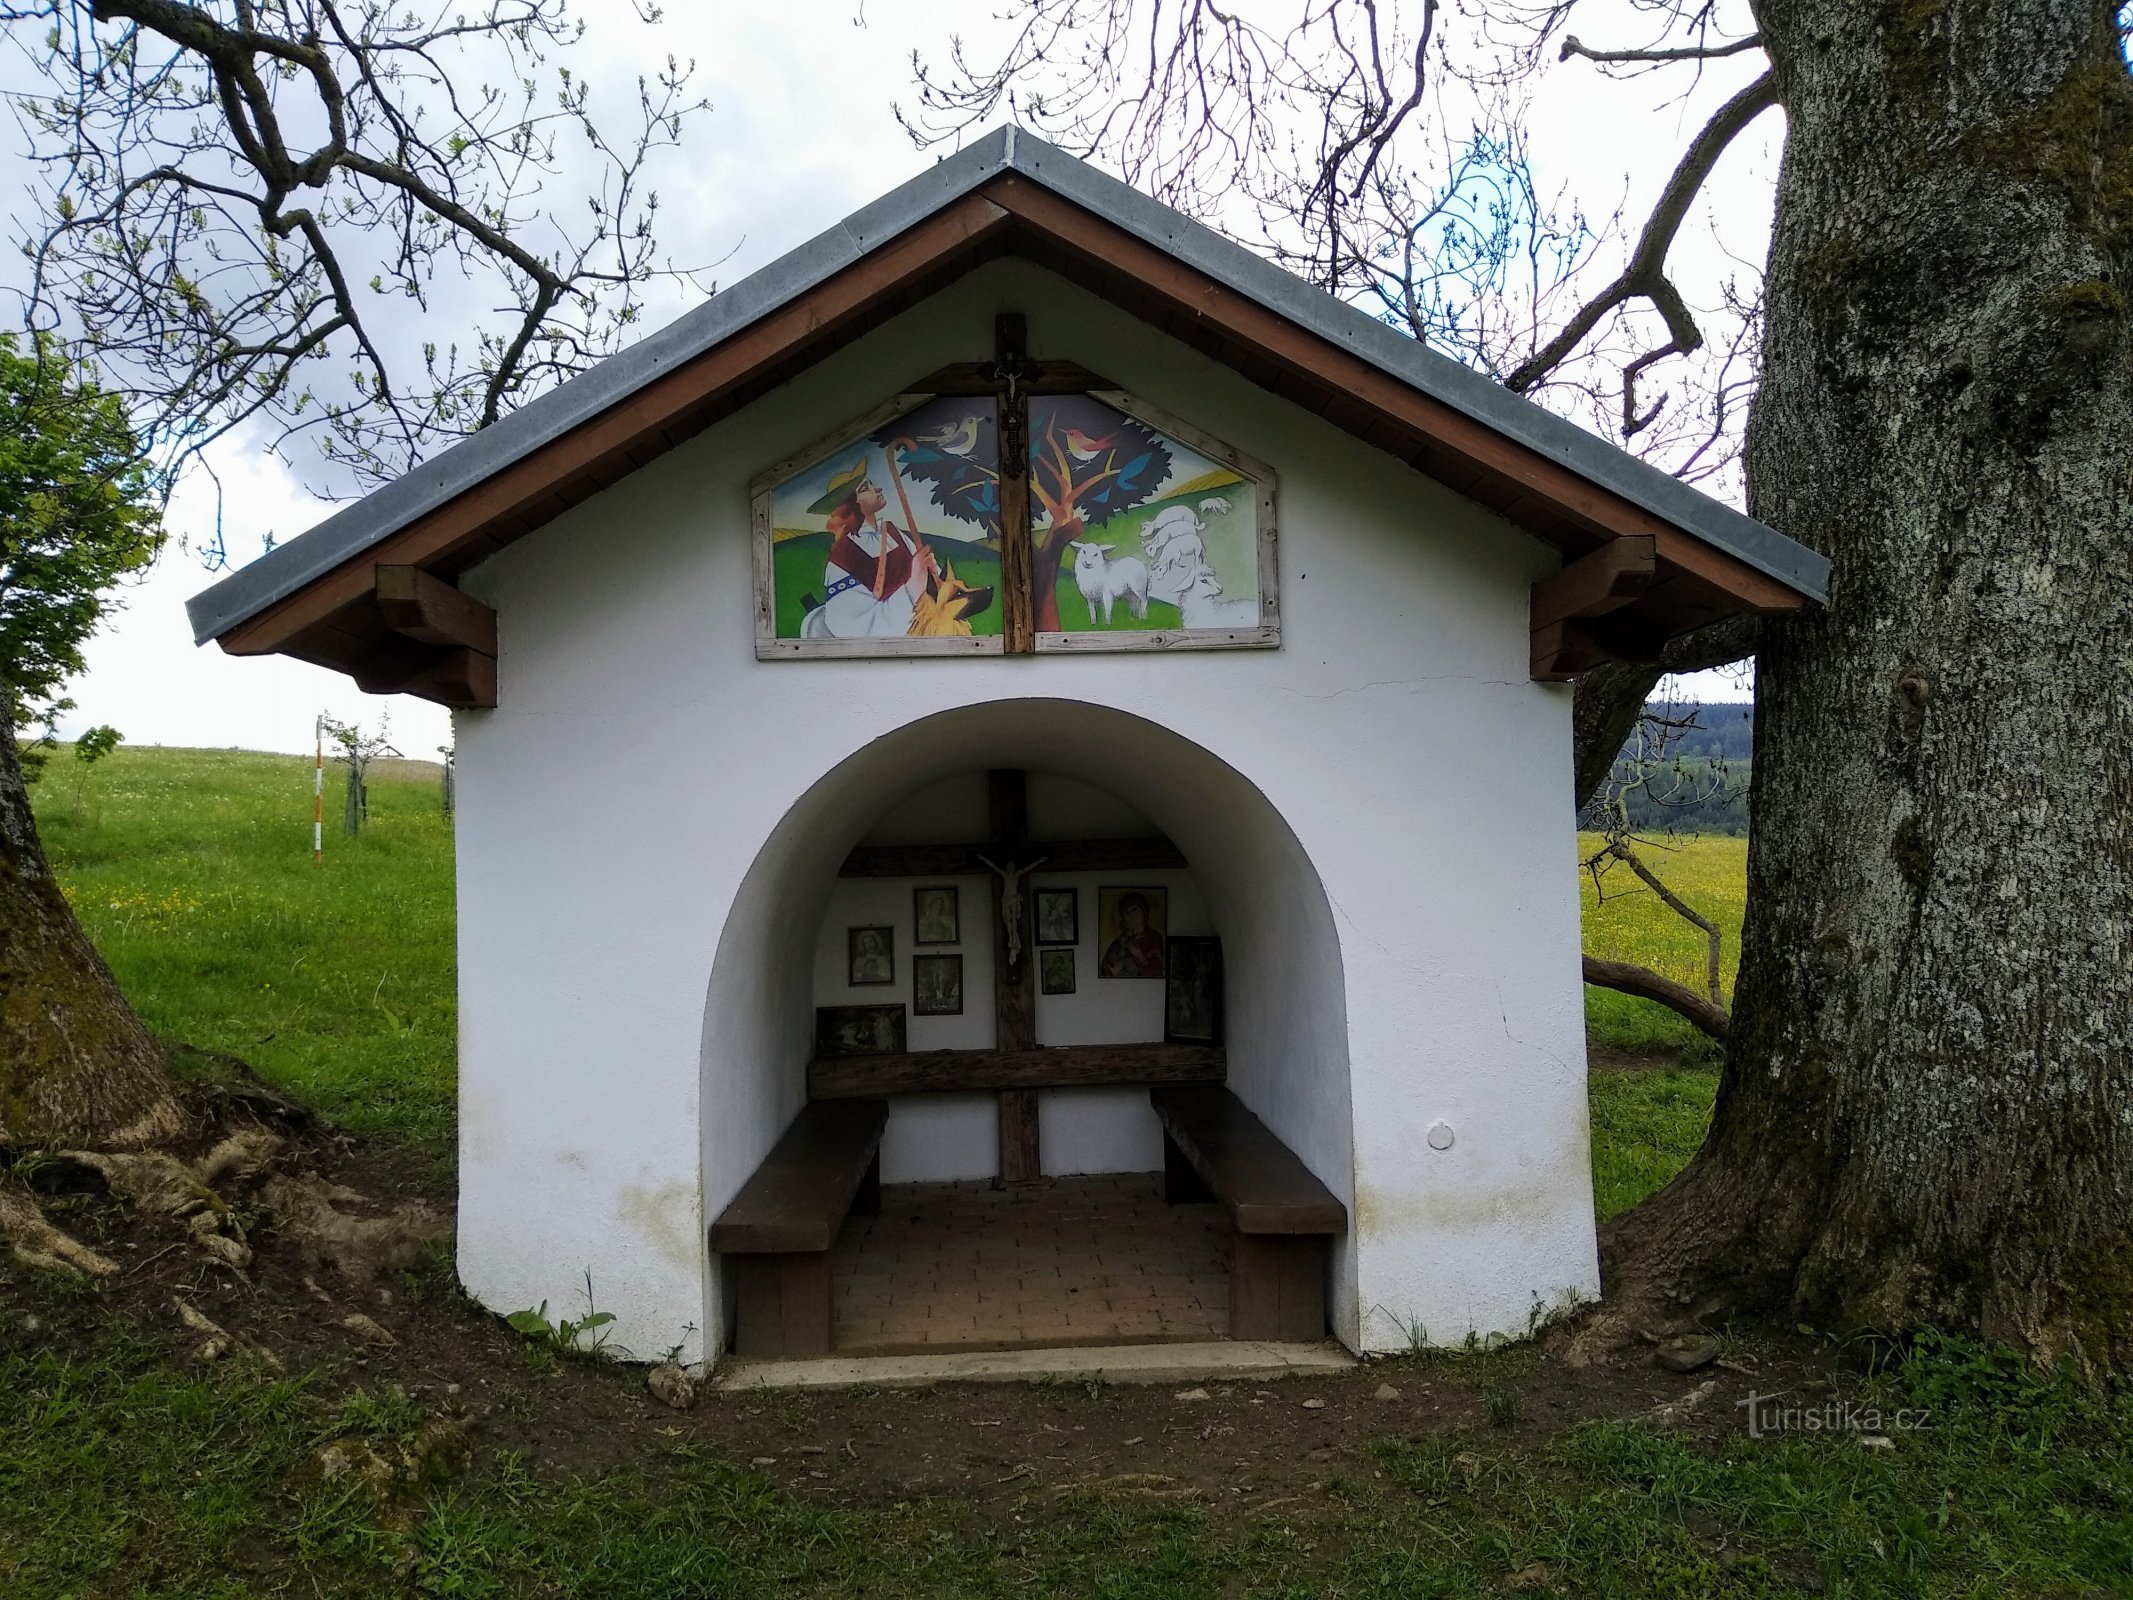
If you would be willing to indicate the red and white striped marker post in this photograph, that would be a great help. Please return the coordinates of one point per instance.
(318, 790)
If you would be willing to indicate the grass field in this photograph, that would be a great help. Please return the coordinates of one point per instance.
(191, 871)
(1625, 921)
(121, 1475)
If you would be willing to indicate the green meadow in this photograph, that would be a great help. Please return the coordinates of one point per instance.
(192, 872)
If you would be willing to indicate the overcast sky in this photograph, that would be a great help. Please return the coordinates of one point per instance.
(801, 132)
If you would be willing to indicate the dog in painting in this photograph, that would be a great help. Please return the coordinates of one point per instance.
(945, 609)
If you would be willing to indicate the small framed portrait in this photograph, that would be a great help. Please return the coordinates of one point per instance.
(1058, 917)
(936, 986)
(1130, 927)
(870, 956)
(859, 1030)
(935, 916)
(1055, 970)
(1192, 994)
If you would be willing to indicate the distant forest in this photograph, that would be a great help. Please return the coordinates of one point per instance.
(1700, 784)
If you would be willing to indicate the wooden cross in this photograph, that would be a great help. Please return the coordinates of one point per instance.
(1014, 983)
(1011, 377)
(1014, 988)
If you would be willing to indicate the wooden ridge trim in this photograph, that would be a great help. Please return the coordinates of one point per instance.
(524, 488)
(1076, 1066)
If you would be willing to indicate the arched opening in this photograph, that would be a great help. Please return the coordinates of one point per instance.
(1093, 772)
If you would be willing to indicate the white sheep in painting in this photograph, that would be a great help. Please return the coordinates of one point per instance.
(1214, 506)
(1165, 528)
(1200, 605)
(1103, 581)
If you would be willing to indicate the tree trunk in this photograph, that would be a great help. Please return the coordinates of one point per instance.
(1923, 1117)
(77, 1066)
(1044, 554)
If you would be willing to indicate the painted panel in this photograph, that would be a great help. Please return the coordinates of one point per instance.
(1132, 529)
(885, 538)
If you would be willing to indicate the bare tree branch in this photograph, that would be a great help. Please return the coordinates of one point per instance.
(232, 192)
(1646, 274)
(1573, 46)
(1626, 977)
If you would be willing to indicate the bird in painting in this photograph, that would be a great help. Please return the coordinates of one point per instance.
(1084, 448)
(957, 439)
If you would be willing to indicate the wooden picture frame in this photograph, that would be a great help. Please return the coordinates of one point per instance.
(928, 910)
(937, 986)
(869, 956)
(844, 1031)
(1192, 991)
(1055, 969)
(1050, 918)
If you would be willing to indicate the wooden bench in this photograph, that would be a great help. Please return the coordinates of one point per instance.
(781, 1225)
(1282, 1219)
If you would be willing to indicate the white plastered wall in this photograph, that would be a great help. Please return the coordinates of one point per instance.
(1378, 815)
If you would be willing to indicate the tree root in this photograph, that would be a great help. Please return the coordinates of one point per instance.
(37, 1243)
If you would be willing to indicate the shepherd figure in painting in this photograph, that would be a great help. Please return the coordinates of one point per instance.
(876, 573)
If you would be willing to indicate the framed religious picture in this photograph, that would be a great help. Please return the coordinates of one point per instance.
(1192, 992)
(1130, 925)
(936, 986)
(934, 914)
(1059, 918)
(870, 956)
(1055, 970)
(859, 1030)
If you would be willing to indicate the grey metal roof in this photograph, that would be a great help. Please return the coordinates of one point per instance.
(289, 567)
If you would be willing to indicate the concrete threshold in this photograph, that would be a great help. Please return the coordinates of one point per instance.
(1135, 1363)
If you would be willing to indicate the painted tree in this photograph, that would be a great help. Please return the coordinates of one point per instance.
(237, 198)
(1087, 464)
(952, 448)
(1922, 1115)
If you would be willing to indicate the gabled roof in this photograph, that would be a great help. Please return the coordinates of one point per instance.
(1010, 193)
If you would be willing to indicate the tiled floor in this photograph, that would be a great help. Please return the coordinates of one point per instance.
(1071, 1261)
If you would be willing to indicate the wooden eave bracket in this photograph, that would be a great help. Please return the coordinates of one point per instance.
(1573, 621)
(444, 644)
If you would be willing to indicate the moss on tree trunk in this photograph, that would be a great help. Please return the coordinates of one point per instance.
(77, 1067)
(1924, 1114)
